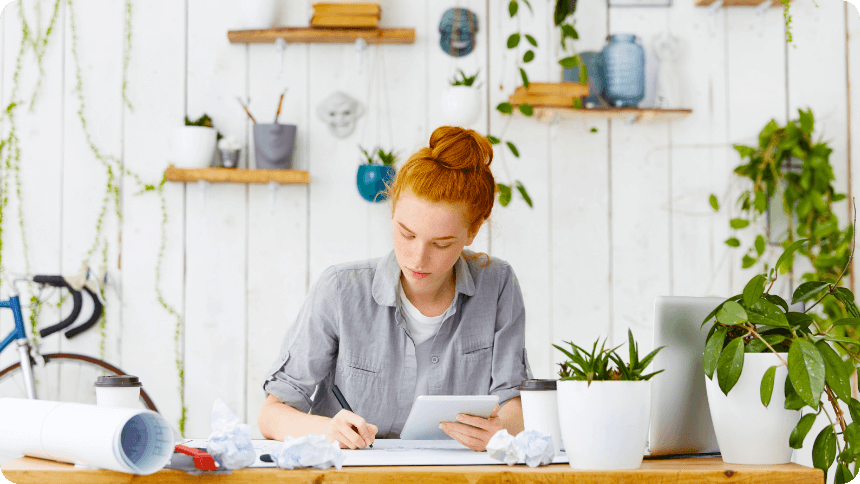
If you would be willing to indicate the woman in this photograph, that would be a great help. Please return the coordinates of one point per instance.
(427, 319)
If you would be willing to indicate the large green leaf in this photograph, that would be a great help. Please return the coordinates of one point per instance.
(843, 474)
(768, 314)
(713, 349)
(789, 252)
(852, 436)
(773, 298)
(836, 375)
(753, 290)
(766, 389)
(730, 365)
(854, 410)
(824, 449)
(757, 345)
(848, 302)
(808, 290)
(806, 371)
(799, 320)
(799, 432)
(732, 313)
(792, 399)
(847, 322)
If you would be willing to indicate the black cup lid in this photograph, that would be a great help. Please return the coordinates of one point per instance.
(118, 381)
(538, 385)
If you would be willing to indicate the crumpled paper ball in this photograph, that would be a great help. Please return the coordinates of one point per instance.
(530, 446)
(312, 450)
(230, 442)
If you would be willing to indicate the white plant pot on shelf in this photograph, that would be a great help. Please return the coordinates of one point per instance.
(460, 105)
(749, 433)
(604, 425)
(254, 15)
(193, 146)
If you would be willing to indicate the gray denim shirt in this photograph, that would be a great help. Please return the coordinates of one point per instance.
(350, 332)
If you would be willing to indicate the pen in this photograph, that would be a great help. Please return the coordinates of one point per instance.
(342, 401)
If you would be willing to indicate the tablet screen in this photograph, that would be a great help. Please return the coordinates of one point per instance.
(429, 411)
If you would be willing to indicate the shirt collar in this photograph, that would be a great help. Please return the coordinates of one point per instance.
(386, 281)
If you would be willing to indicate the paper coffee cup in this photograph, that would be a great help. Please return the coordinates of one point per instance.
(118, 391)
(540, 409)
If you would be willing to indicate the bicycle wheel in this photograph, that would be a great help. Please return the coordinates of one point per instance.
(65, 377)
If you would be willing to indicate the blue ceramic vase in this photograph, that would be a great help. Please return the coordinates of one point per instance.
(372, 180)
(622, 62)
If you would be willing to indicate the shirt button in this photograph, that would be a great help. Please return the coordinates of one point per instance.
(434, 360)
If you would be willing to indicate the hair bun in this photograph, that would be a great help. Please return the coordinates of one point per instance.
(460, 149)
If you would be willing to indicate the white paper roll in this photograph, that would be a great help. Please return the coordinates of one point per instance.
(120, 439)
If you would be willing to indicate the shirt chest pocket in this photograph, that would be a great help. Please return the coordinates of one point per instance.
(476, 349)
(357, 369)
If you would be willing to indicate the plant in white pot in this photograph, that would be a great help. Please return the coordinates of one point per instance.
(604, 412)
(460, 103)
(194, 144)
(756, 345)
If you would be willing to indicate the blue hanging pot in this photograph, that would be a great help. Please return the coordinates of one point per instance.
(622, 62)
(372, 180)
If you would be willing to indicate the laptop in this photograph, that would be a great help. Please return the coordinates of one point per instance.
(680, 416)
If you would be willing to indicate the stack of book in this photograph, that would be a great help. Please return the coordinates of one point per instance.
(555, 94)
(346, 15)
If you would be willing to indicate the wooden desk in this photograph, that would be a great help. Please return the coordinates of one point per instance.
(662, 471)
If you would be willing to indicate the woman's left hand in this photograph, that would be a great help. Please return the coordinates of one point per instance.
(474, 432)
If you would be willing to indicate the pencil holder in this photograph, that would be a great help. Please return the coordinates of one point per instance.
(273, 146)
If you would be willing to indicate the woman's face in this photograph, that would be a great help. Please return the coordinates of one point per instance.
(428, 239)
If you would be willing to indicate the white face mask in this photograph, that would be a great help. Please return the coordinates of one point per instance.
(340, 112)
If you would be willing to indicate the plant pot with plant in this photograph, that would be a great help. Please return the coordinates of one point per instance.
(604, 412)
(194, 144)
(460, 103)
(375, 174)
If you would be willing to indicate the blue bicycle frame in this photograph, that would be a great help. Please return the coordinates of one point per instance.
(20, 336)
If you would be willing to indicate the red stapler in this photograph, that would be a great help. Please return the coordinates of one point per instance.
(202, 460)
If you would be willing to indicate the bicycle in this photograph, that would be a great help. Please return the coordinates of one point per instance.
(67, 377)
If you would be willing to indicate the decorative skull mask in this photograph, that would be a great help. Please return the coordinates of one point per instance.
(458, 28)
(340, 112)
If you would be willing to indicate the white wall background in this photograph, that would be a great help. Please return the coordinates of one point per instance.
(620, 215)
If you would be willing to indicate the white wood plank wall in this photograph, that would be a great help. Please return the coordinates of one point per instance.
(621, 214)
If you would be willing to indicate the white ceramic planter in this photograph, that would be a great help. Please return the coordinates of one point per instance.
(193, 146)
(749, 433)
(605, 425)
(254, 15)
(460, 105)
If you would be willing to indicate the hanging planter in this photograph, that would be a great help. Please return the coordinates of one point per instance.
(376, 174)
(460, 103)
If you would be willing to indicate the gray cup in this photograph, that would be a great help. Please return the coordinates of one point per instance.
(273, 145)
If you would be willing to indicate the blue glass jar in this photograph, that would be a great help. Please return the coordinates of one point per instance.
(623, 64)
(372, 180)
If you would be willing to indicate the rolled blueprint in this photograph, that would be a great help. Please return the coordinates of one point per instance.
(120, 439)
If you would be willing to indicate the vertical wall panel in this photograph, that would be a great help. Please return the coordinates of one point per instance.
(852, 14)
(580, 264)
(277, 215)
(641, 172)
(216, 227)
(156, 89)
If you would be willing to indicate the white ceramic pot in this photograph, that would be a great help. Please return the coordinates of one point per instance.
(255, 15)
(749, 433)
(193, 146)
(605, 425)
(460, 105)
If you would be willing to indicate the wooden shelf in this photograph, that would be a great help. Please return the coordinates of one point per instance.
(324, 36)
(738, 3)
(634, 115)
(236, 175)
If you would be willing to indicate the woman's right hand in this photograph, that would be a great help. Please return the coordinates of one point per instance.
(350, 430)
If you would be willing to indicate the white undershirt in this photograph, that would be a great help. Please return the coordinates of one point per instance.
(420, 327)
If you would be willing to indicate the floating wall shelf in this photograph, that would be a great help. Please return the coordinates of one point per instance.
(633, 115)
(324, 36)
(738, 3)
(236, 175)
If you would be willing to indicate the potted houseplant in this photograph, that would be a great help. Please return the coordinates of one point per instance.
(604, 412)
(375, 173)
(800, 368)
(461, 101)
(194, 144)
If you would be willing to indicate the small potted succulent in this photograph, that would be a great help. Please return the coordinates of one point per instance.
(375, 173)
(604, 406)
(460, 102)
(194, 144)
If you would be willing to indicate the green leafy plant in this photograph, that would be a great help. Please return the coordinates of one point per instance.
(465, 80)
(563, 18)
(378, 156)
(595, 365)
(757, 321)
(204, 121)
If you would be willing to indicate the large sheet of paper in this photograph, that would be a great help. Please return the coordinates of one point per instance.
(395, 452)
(120, 439)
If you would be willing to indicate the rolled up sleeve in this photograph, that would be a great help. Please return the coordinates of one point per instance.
(309, 348)
(510, 365)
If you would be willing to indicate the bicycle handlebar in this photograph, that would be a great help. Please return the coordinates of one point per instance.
(77, 300)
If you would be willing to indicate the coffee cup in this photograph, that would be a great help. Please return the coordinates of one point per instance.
(118, 391)
(540, 408)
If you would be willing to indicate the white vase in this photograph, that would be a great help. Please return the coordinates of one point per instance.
(193, 146)
(460, 105)
(254, 15)
(604, 425)
(749, 433)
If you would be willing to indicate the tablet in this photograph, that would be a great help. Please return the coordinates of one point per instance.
(429, 411)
